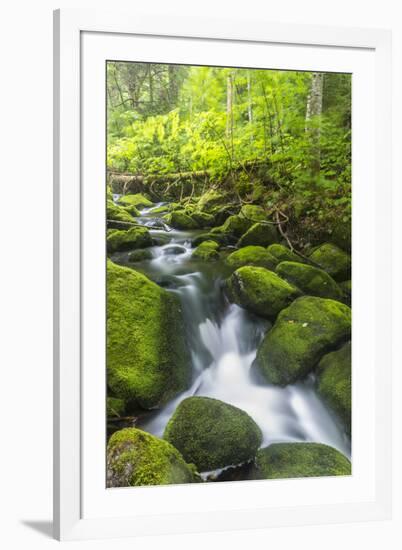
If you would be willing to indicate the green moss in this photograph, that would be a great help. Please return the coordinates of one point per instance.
(147, 357)
(160, 210)
(203, 219)
(233, 228)
(180, 220)
(135, 237)
(118, 213)
(208, 237)
(293, 460)
(132, 210)
(334, 383)
(346, 287)
(283, 254)
(301, 335)
(260, 291)
(208, 250)
(259, 234)
(342, 235)
(311, 280)
(136, 458)
(138, 200)
(211, 199)
(335, 261)
(212, 434)
(251, 255)
(115, 406)
(140, 255)
(253, 212)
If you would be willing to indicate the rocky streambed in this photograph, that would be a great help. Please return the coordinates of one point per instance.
(228, 355)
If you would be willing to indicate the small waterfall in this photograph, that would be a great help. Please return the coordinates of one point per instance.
(223, 341)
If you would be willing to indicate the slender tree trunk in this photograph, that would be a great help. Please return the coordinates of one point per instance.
(313, 113)
(249, 101)
(229, 111)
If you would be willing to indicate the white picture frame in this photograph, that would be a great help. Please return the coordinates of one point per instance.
(83, 507)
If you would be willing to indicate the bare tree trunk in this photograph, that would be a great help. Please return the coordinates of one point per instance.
(229, 111)
(313, 112)
(249, 102)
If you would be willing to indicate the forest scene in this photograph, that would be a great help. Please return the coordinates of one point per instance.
(228, 238)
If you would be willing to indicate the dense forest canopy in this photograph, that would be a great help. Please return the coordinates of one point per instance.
(252, 129)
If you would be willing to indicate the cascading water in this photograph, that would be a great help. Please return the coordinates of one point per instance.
(223, 341)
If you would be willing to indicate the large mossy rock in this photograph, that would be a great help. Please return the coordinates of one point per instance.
(251, 255)
(179, 219)
(140, 255)
(301, 335)
(334, 383)
(292, 460)
(207, 251)
(136, 237)
(147, 357)
(333, 260)
(138, 200)
(283, 254)
(233, 228)
(346, 287)
(311, 280)
(203, 219)
(119, 213)
(260, 234)
(253, 213)
(138, 458)
(211, 199)
(212, 434)
(260, 291)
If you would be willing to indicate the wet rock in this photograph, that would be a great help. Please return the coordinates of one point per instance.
(311, 280)
(334, 383)
(136, 458)
(140, 255)
(333, 260)
(212, 434)
(301, 335)
(293, 460)
(147, 357)
(260, 291)
(251, 255)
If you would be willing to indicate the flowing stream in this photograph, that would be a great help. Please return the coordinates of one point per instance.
(223, 341)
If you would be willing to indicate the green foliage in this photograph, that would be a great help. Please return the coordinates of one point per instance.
(171, 119)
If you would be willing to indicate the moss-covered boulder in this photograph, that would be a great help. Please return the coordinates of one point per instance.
(212, 434)
(140, 255)
(138, 200)
(301, 335)
(147, 357)
(260, 291)
(208, 251)
(221, 213)
(203, 219)
(135, 237)
(118, 213)
(342, 235)
(292, 460)
(333, 260)
(138, 458)
(253, 212)
(211, 199)
(220, 239)
(283, 254)
(260, 234)
(163, 209)
(179, 219)
(311, 280)
(115, 407)
(251, 255)
(233, 228)
(346, 287)
(334, 383)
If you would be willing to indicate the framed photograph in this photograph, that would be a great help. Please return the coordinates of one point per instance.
(222, 275)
